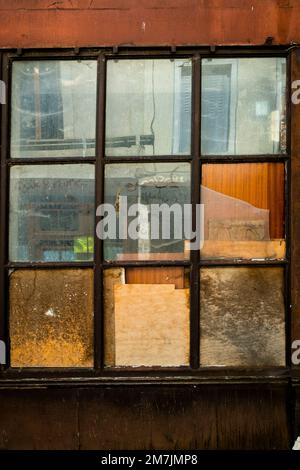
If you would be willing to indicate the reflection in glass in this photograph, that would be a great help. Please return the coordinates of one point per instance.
(146, 317)
(147, 184)
(53, 108)
(51, 213)
(243, 210)
(243, 106)
(148, 109)
(51, 318)
(242, 321)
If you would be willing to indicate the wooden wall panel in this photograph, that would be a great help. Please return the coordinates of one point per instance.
(39, 419)
(259, 184)
(42, 23)
(146, 417)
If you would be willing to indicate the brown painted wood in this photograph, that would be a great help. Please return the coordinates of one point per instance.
(259, 184)
(146, 417)
(39, 419)
(42, 23)
(174, 275)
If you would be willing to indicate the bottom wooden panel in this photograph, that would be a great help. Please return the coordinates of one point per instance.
(147, 417)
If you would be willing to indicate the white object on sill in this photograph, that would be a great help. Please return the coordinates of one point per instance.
(297, 444)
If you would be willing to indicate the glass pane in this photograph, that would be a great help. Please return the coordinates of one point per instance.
(243, 210)
(146, 315)
(51, 213)
(148, 110)
(53, 108)
(242, 317)
(51, 318)
(243, 106)
(153, 230)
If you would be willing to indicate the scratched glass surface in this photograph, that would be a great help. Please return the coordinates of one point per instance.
(148, 107)
(146, 184)
(51, 318)
(53, 108)
(243, 106)
(51, 213)
(242, 321)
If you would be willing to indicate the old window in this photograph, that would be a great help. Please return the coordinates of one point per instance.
(162, 142)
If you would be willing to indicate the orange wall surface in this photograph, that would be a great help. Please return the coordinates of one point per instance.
(49, 23)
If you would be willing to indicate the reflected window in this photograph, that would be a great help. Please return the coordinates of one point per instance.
(243, 106)
(53, 108)
(148, 107)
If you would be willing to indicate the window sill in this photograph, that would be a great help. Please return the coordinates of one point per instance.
(41, 378)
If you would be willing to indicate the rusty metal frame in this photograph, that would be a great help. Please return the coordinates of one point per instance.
(100, 374)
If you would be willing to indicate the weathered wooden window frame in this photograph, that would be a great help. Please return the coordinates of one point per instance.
(99, 373)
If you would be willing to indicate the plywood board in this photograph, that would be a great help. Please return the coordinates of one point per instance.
(151, 325)
(112, 277)
(273, 249)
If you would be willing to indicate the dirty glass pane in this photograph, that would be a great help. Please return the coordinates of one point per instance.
(243, 106)
(150, 232)
(242, 321)
(51, 318)
(148, 108)
(53, 108)
(146, 316)
(243, 211)
(51, 213)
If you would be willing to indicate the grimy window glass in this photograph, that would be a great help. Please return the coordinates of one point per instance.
(148, 108)
(147, 185)
(53, 108)
(147, 296)
(52, 213)
(242, 320)
(51, 318)
(243, 106)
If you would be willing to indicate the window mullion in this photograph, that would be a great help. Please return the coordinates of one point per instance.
(195, 191)
(99, 195)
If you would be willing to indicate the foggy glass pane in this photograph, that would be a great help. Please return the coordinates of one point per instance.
(243, 106)
(53, 108)
(148, 107)
(146, 316)
(51, 213)
(243, 211)
(51, 318)
(242, 321)
(146, 184)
